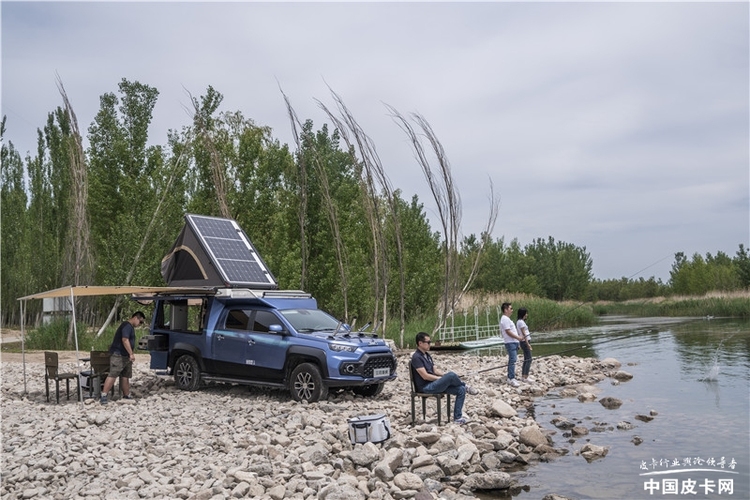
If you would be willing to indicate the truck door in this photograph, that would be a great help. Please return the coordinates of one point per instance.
(266, 350)
(230, 344)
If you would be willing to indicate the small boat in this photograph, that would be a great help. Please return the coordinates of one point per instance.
(440, 345)
(485, 342)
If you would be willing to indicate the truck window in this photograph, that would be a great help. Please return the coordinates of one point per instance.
(237, 319)
(264, 319)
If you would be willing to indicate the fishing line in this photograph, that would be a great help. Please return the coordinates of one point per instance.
(520, 360)
(554, 319)
(471, 374)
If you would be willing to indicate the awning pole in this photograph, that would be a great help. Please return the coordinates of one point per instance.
(23, 344)
(75, 332)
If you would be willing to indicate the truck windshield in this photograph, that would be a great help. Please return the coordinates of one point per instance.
(311, 320)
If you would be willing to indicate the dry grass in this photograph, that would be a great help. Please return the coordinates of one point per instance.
(737, 294)
(473, 299)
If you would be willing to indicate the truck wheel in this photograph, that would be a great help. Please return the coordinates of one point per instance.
(307, 384)
(369, 391)
(187, 373)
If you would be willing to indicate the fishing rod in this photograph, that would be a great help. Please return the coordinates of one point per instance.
(519, 360)
(471, 374)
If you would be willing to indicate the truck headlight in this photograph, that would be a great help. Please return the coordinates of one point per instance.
(343, 347)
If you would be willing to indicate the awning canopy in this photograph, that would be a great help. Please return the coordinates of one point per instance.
(72, 292)
(90, 291)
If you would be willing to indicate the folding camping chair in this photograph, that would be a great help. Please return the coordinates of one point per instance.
(425, 396)
(52, 372)
(95, 377)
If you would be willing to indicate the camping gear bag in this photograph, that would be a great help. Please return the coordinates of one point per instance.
(370, 428)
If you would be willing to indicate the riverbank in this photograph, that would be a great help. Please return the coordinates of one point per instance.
(224, 441)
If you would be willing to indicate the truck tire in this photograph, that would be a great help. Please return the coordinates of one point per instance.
(307, 384)
(187, 373)
(369, 391)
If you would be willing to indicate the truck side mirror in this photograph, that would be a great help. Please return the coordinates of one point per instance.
(276, 329)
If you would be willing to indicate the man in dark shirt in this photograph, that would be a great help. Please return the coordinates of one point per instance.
(121, 356)
(430, 380)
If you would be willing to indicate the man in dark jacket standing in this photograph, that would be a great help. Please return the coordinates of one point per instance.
(121, 356)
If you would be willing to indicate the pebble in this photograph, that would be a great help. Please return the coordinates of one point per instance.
(239, 442)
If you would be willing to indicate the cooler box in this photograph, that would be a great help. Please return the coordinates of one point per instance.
(90, 384)
(370, 428)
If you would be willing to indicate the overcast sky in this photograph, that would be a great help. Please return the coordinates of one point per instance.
(619, 127)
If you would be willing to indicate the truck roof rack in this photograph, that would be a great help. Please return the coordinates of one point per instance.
(241, 293)
(229, 293)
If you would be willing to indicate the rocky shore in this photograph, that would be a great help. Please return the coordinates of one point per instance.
(239, 442)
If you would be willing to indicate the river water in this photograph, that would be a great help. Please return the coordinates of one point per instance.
(693, 373)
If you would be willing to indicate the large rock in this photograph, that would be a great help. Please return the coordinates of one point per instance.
(532, 436)
(610, 403)
(338, 491)
(610, 363)
(622, 375)
(316, 454)
(408, 481)
(466, 452)
(562, 423)
(365, 454)
(502, 409)
(394, 458)
(593, 452)
(493, 480)
(502, 440)
(451, 466)
(428, 437)
(445, 443)
(429, 471)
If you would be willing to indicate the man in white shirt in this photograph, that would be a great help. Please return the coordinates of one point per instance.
(512, 339)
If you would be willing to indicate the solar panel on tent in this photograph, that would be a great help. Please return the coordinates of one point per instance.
(231, 251)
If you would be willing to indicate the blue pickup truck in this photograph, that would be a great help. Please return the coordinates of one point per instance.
(274, 338)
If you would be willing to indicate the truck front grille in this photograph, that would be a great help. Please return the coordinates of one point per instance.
(379, 361)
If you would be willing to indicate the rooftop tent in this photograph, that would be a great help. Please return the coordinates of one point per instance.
(213, 251)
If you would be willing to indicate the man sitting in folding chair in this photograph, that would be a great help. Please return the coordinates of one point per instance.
(430, 380)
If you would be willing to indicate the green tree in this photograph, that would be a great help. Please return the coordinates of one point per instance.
(699, 275)
(332, 221)
(125, 174)
(742, 263)
(14, 256)
(562, 269)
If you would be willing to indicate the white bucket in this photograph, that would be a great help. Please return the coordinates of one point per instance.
(370, 428)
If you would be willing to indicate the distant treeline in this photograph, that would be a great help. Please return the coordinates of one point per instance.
(689, 276)
(108, 214)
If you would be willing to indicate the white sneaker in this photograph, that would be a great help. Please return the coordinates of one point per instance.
(514, 382)
(528, 379)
